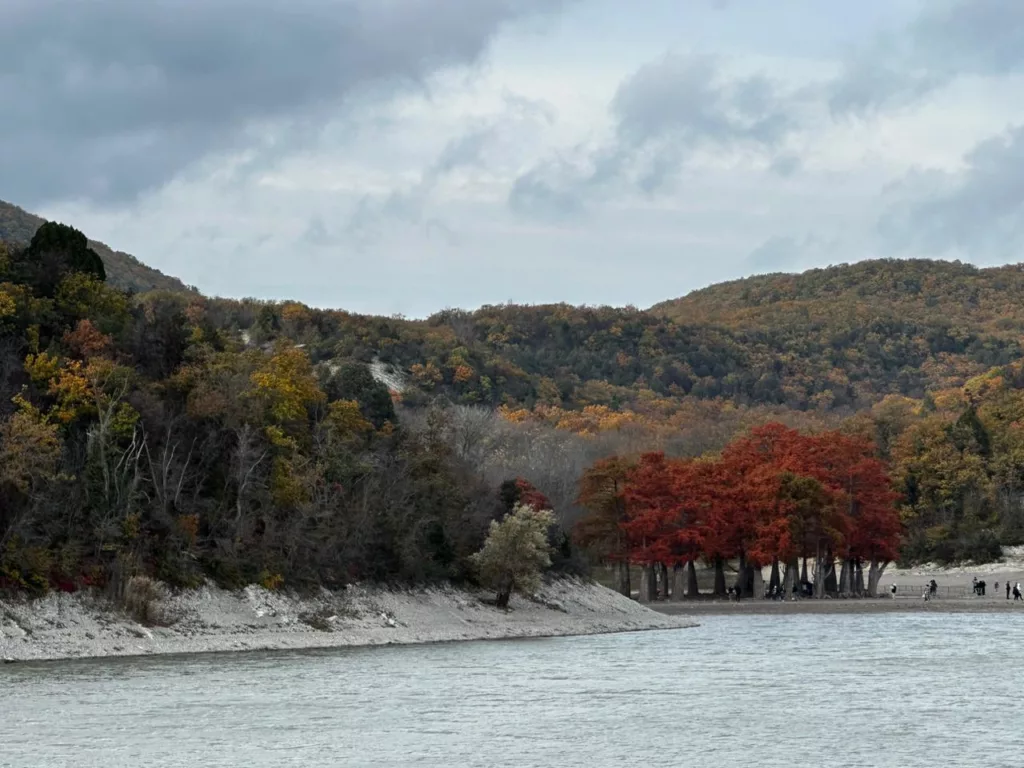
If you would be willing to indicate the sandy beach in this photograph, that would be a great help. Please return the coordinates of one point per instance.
(209, 619)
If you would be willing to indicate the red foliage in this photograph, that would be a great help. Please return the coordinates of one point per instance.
(530, 496)
(773, 494)
(86, 342)
(663, 514)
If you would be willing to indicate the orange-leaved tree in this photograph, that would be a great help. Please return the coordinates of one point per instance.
(602, 495)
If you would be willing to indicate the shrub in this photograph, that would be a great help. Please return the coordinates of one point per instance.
(319, 620)
(25, 568)
(179, 569)
(144, 599)
(271, 581)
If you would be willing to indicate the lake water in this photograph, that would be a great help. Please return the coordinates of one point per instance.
(880, 691)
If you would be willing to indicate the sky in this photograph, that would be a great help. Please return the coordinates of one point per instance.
(404, 156)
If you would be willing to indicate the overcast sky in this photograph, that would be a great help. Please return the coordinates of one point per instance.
(402, 156)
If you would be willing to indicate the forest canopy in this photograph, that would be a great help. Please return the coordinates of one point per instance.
(186, 437)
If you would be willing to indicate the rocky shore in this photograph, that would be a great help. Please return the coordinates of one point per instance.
(209, 619)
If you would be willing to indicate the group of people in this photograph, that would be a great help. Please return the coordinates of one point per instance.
(804, 588)
(1018, 592)
(979, 588)
(1016, 589)
(931, 589)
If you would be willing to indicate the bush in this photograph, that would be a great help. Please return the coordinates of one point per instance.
(25, 568)
(978, 547)
(319, 620)
(144, 599)
(271, 581)
(945, 546)
(179, 569)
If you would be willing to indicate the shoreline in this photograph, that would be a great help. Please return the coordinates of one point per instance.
(833, 606)
(212, 620)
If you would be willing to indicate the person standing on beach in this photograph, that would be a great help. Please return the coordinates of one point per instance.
(1007, 589)
(1016, 592)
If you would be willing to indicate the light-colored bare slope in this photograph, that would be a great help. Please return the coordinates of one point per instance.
(212, 619)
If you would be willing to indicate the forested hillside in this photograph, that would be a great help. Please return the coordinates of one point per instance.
(834, 340)
(124, 271)
(185, 437)
(139, 436)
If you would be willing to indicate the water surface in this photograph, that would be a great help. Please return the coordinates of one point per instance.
(878, 690)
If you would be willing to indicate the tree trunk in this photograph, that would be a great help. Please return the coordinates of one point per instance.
(622, 579)
(819, 570)
(647, 584)
(774, 583)
(719, 577)
(692, 589)
(859, 577)
(663, 570)
(758, 586)
(831, 584)
(505, 592)
(742, 576)
(803, 573)
(677, 583)
(875, 573)
(844, 578)
(790, 579)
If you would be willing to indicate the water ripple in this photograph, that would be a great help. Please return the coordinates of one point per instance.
(907, 690)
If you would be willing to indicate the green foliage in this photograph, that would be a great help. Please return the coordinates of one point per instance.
(56, 252)
(25, 567)
(516, 552)
(353, 381)
(71, 244)
(123, 271)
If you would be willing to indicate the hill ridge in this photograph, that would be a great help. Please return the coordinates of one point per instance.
(123, 270)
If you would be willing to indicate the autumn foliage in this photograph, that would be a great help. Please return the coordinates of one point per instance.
(774, 495)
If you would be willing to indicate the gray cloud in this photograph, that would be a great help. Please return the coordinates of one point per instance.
(687, 99)
(977, 212)
(316, 233)
(114, 97)
(786, 164)
(664, 112)
(540, 194)
(471, 149)
(949, 39)
(785, 254)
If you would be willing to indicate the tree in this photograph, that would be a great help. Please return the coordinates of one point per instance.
(515, 553)
(353, 381)
(867, 502)
(29, 459)
(521, 491)
(662, 517)
(602, 495)
(56, 251)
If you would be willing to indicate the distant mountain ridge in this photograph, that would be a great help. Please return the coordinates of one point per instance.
(831, 340)
(983, 300)
(123, 270)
